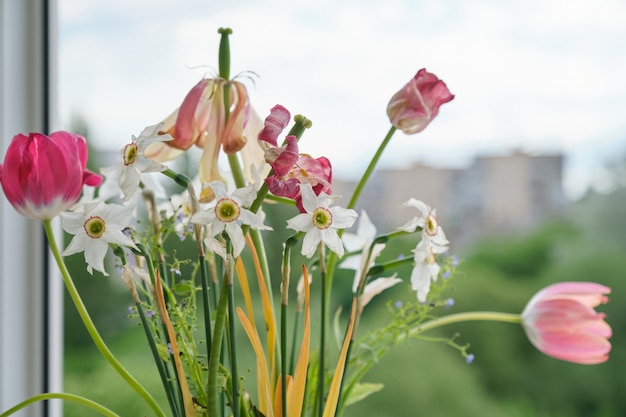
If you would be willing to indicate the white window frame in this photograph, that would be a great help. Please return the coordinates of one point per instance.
(31, 291)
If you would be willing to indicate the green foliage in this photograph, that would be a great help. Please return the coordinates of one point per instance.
(508, 377)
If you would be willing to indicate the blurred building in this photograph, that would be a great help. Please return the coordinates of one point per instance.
(494, 195)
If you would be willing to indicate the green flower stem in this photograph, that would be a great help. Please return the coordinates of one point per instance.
(91, 328)
(179, 179)
(172, 390)
(323, 320)
(284, 301)
(461, 317)
(224, 52)
(301, 124)
(204, 276)
(61, 396)
(370, 168)
(381, 268)
(233, 339)
(213, 402)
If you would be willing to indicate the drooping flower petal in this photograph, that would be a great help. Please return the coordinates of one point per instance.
(275, 123)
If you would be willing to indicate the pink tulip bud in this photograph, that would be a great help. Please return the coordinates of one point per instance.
(43, 176)
(413, 107)
(561, 322)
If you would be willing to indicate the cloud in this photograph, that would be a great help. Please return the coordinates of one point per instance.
(539, 76)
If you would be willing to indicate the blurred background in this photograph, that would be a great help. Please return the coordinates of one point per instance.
(526, 166)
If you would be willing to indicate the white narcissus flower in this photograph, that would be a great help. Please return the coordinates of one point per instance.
(320, 222)
(136, 163)
(95, 227)
(427, 221)
(228, 214)
(425, 271)
(361, 241)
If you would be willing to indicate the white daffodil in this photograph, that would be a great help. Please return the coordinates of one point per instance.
(361, 241)
(136, 163)
(427, 221)
(228, 214)
(94, 228)
(425, 271)
(320, 222)
(377, 286)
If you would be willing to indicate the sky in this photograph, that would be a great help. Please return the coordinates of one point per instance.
(540, 76)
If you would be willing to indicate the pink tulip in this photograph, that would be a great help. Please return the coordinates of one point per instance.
(413, 107)
(43, 176)
(561, 322)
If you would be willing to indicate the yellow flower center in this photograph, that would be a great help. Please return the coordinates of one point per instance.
(130, 153)
(95, 227)
(322, 218)
(431, 225)
(227, 210)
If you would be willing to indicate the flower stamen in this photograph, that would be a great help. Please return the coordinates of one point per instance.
(95, 227)
(227, 210)
(431, 226)
(130, 153)
(322, 218)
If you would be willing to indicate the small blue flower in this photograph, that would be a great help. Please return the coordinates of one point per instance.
(176, 271)
(446, 274)
(398, 304)
(150, 313)
(455, 260)
(450, 302)
(469, 358)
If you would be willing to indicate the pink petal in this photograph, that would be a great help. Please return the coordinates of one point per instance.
(274, 124)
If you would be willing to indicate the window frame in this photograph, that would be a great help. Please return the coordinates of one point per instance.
(31, 289)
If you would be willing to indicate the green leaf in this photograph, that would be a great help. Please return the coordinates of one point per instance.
(362, 391)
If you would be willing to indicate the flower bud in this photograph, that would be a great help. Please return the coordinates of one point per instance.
(561, 322)
(44, 175)
(413, 107)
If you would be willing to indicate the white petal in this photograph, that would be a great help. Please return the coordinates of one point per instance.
(245, 196)
(366, 229)
(116, 215)
(423, 208)
(219, 189)
(129, 181)
(343, 217)
(309, 199)
(203, 217)
(301, 222)
(116, 236)
(77, 244)
(310, 242)
(255, 221)
(73, 223)
(376, 287)
(95, 252)
(332, 240)
(412, 225)
(236, 237)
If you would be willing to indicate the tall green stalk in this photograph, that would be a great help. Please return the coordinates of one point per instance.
(91, 328)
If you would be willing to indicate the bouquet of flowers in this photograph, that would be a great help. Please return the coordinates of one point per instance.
(191, 319)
